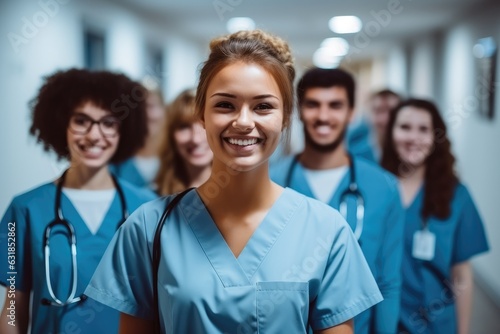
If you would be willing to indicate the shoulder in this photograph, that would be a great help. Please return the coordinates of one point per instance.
(282, 162)
(44, 193)
(279, 168)
(315, 212)
(461, 194)
(135, 192)
(116, 167)
(147, 216)
(375, 176)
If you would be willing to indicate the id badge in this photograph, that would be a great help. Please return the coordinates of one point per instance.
(424, 244)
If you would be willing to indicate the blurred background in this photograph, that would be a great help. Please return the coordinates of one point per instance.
(442, 50)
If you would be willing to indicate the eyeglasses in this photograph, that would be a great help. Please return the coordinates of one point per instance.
(81, 124)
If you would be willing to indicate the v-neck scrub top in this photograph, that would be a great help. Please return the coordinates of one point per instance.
(28, 215)
(301, 267)
(427, 304)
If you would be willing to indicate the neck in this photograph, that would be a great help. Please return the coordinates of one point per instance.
(198, 175)
(415, 176)
(314, 159)
(79, 177)
(410, 183)
(239, 192)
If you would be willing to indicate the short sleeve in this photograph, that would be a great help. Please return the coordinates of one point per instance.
(123, 278)
(15, 249)
(470, 237)
(348, 287)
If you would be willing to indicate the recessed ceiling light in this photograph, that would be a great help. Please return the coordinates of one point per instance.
(240, 23)
(345, 24)
(325, 58)
(337, 46)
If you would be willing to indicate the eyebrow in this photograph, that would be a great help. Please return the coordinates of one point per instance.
(80, 112)
(258, 97)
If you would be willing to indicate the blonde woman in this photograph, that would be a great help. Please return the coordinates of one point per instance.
(239, 254)
(186, 158)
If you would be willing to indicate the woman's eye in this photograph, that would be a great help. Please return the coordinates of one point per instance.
(80, 120)
(183, 126)
(224, 105)
(264, 106)
(109, 123)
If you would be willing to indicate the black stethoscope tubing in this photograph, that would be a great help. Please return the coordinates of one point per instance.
(352, 190)
(157, 255)
(60, 220)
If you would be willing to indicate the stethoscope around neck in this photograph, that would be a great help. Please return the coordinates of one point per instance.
(61, 221)
(352, 190)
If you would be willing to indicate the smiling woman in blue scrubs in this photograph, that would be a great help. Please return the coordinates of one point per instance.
(239, 254)
(72, 116)
(186, 158)
(443, 227)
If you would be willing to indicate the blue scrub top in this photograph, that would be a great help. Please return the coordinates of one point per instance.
(382, 236)
(128, 171)
(28, 215)
(302, 267)
(359, 140)
(427, 303)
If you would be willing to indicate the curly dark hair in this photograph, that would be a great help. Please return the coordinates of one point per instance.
(64, 91)
(440, 179)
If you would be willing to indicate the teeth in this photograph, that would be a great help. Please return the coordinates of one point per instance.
(243, 142)
(93, 149)
(323, 129)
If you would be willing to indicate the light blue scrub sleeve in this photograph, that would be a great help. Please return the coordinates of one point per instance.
(389, 281)
(123, 279)
(14, 248)
(348, 287)
(470, 238)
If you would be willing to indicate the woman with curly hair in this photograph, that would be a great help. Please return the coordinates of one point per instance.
(54, 236)
(239, 253)
(186, 158)
(443, 227)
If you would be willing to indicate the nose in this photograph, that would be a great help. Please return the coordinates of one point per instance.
(244, 120)
(323, 113)
(94, 132)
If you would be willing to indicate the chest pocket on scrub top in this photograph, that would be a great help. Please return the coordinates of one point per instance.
(282, 307)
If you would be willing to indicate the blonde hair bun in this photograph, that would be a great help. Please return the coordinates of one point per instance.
(276, 45)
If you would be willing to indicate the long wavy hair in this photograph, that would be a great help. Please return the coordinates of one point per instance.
(440, 179)
(172, 176)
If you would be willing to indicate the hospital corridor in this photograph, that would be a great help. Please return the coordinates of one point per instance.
(236, 166)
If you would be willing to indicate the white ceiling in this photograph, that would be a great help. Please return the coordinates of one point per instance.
(304, 24)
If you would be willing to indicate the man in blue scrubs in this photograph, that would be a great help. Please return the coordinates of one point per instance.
(325, 171)
(365, 137)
